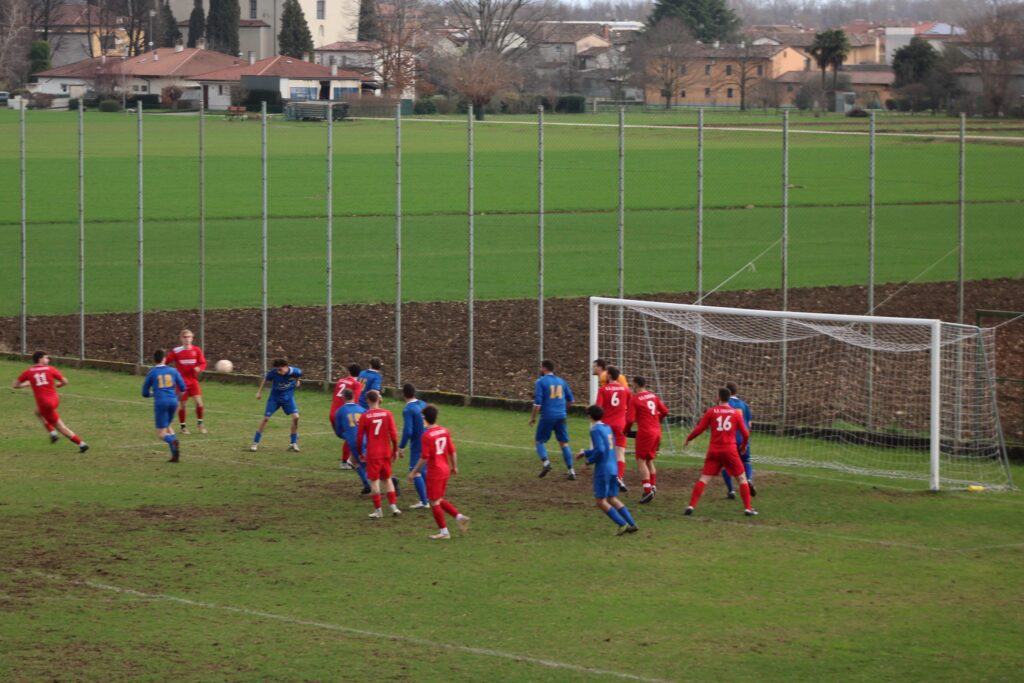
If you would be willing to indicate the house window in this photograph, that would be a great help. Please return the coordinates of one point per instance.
(807, 63)
(707, 92)
(789, 88)
(728, 92)
(707, 69)
(252, 9)
(682, 94)
(760, 69)
(220, 89)
(63, 87)
(321, 12)
(682, 69)
(728, 69)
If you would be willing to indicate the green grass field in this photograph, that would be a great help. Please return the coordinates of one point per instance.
(242, 566)
(917, 211)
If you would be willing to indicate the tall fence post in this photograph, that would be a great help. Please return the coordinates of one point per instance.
(622, 231)
(961, 217)
(329, 309)
(871, 265)
(540, 232)
(263, 238)
(24, 234)
(81, 229)
(141, 358)
(398, 244)
(202, 224)
(471, 256)
(785, 260)
(698, 375)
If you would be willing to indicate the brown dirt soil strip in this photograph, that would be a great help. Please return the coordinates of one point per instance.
(435, 339)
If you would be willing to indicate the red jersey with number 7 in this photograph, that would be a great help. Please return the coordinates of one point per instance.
(378, 426)
(437, 446)
(725, 422)
(43, 379)
(615, 399)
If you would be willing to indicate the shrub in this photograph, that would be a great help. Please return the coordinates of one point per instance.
(149, 101)
(170, 95)
(857, 113)
(571, 104)
(424, 106)
(271, 97)
(40, 101)
(73, 103)
(442, 104)
(110, 105)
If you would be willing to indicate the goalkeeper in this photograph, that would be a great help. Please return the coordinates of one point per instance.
(740, 405)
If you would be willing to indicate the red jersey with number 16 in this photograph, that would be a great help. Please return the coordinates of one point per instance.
(188, 361)
(437, 446)
(43, 379)
(725, 422)
(615, 399)
(378, 426)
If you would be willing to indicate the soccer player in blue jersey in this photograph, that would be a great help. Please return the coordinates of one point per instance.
(284, 380)
(606, 472)
(412, 436)
(741, 405)
(551, 398)
(164, 384)
(346, 426)
(370, 378)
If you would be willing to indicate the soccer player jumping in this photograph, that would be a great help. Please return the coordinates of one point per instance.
(551, 398)
(284, 380)
(164, 384)
(646, 411)
(606, 484)
(724, 421)
(189, 361)
(45, 380)
(440, 461)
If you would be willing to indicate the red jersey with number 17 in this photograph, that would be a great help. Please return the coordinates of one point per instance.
(437, 446)
(344, 383)
(378, 427)
(615, 399)
(724, 421)
(43, 379)
(189, 362)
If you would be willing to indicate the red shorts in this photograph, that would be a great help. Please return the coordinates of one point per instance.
(48, 411)
(437, 482)
(647, 447)
(716, 461)
(619, 432)
(191, 389)
(378, 468)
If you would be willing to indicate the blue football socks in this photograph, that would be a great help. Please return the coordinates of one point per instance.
(295, 437)
(616, 517)
(421, 488)
(567, 456)
(256, 438)
(542, 452)
(624, 512)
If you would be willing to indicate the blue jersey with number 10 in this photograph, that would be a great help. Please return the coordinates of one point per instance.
(552, 394)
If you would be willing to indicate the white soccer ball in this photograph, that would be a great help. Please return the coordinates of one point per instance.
(224, 365)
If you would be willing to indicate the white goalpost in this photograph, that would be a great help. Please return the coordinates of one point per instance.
(903, 398)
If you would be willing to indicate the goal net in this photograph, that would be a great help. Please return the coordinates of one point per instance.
(891, 397)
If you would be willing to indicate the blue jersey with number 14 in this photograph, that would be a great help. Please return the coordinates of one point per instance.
(552, 394)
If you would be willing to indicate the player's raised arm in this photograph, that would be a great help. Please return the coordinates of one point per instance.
(705, 420)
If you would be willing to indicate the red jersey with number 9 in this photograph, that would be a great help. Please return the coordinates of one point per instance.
(437, 446)
(646, 411)
(378, 426)
(725, 422)
(43, 379)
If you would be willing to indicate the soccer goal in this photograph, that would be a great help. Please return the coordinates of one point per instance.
(891, 397)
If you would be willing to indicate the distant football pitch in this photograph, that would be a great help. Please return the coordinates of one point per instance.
(916, 217)
(263, 566)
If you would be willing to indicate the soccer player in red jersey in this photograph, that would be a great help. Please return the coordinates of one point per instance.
(438, 457)
(724, 421)
(45, 380)
(646, 411)
(338, 400)
(189, 361)
(615, 399)
(377, 427)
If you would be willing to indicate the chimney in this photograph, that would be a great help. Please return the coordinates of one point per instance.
(252, 57)
(606, 32)
(305, 56)
(334, 69)
(717, 44)
(201, 44)
(179, 47)
(156, 56)
(103, 58)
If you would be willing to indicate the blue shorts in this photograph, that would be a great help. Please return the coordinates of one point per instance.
(605, 485)
(163, 413)
(285, 404)
(549, 424)
(414, 457)
(745, 455)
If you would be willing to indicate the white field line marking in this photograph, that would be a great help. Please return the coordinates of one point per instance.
(198, 440)
(338, 628)
(730, 129)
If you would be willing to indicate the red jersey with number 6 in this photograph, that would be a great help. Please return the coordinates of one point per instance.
(378, 426)
(437, 446)
(615, 399)
(43, 379)
(725, 422)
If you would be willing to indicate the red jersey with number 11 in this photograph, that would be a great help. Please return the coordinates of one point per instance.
(725, 422)
(43, 379)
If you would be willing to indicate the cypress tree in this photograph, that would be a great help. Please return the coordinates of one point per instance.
(222, 26)
(170, 34)
(294, 37)
(196, 23)
(367, 20)
(709, 20)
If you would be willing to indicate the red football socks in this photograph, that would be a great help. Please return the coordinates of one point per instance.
(745, 494)
(622, 469)
(438, 516)
(199, 412)
(449, 508)
(181, 415)
(75, 440)
(698, 491)
(392, 498)
(654, 479)
(376, 501)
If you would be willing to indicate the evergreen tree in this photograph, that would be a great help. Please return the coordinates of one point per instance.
(829, 50)
(913, 63)
(170, 34)
(222, 26)
(368, 21)
(38, 56)
(709, 20)
(294, 38)
(196, 23)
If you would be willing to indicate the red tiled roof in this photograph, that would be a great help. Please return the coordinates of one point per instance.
(164, 62)
(280, 66)
(350, 46)
(873, 77)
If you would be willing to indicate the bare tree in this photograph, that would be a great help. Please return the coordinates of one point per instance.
(994, 46)
(400, 28)
(663, 57)
(749, 64)
(15, 37)
(500, 26)
(478, 77)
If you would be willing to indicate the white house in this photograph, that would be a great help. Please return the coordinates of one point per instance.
(293, 78)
